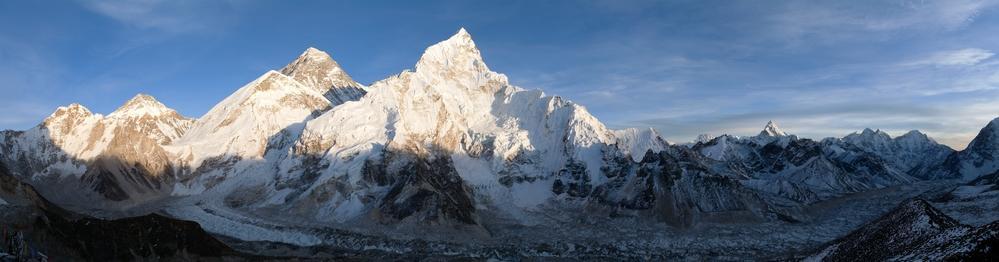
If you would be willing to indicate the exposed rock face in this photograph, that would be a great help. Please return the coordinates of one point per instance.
(429, 192)
(914, 231)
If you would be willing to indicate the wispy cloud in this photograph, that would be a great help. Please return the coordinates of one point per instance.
(850, 19)
(165, 16)
(943, 72)
(960, 57)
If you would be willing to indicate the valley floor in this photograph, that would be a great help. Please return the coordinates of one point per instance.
(600, 238)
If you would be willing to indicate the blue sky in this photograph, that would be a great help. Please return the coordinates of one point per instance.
(819, 68)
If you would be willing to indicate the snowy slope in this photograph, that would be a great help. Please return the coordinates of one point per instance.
(636, 142)
(981, 157)
(270, 109)
(242, 124)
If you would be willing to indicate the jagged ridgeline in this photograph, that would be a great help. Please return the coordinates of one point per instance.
(448, 145)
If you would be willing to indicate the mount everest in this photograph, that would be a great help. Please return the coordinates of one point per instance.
(452, 146)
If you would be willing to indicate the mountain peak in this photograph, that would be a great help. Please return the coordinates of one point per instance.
(914, 137)
(313, 50)
(460, 38)
(914, 134)
(141, 105)
(703, 138)
(463, 34)
(871, 133)
(457, 54)
(67, 118)
(311, 54)
(986, 140)
(73, 109)
(317, 70)
(771, 129)
(143, 100)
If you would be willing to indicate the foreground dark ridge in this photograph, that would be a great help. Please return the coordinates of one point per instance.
(915, 231)
(36, 228)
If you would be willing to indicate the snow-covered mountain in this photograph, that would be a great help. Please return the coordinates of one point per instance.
(450, 140)
(801, 169)
(451, 117)
(981, 157)
(772, 130)
(270, 109)
(913, 153)
(78, 157)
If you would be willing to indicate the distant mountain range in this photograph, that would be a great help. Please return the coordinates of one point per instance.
(450, 152)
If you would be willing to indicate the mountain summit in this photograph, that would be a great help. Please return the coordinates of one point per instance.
(987, 140)
(142, 105)
(981, 157)
(771, 129)
(317, 70)
(455, 56)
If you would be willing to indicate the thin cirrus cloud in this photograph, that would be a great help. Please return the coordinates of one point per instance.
(166, 16)
(946, 72)
(960, 57)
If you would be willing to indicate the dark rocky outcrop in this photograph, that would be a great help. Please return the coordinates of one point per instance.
(431, 191)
